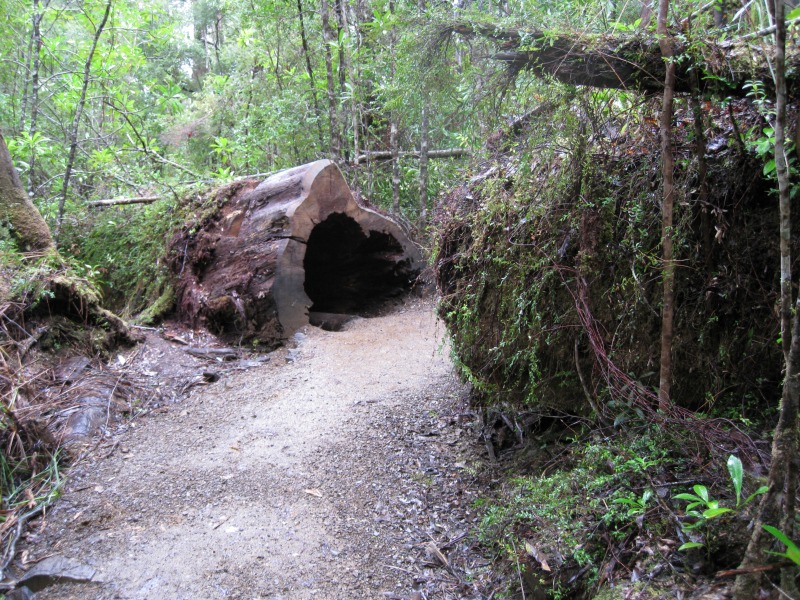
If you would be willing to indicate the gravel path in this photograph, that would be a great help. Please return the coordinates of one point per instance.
(343, 468)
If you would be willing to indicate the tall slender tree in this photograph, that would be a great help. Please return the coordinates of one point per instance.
(667, 207)
(36, 60)
(310, 71)
(76, 121)
(777, 506)
(335, 146)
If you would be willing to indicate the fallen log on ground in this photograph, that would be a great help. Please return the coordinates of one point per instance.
(271, 251)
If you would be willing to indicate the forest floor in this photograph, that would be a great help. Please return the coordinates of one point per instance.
(347, 466)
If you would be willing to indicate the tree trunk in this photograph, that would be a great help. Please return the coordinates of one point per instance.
(26, 83)
(37, 61)
(423, 165)
(310, 71)
(73, 138)
(327, 37)
(631, 61)
(777, 506)
(28, 228)
(393, 143)
(199, 63)
(344, 73)
(274, 250)
(668, 202)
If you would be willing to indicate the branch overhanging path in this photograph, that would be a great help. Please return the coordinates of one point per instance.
(631, 61)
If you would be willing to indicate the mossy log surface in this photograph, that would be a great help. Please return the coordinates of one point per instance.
(633, 61)
(28, 228)
(541, 244)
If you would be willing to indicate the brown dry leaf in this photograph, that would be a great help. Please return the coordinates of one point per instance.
(537, 555)
(437, 554)
(316, 492)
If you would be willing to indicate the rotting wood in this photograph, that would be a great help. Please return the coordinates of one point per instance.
(274, 250)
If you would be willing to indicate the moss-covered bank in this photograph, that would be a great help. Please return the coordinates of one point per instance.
(562, 229)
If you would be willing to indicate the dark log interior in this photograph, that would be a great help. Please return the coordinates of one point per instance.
(349, 272)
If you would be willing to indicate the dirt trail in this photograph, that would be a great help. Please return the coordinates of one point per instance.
(337, 470)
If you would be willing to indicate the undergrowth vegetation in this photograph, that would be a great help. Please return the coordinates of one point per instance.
(549, 265)
(608, 509)
(132, 281)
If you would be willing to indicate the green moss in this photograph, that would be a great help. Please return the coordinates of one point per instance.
(569, 514)
(158, 309)
(560, 238)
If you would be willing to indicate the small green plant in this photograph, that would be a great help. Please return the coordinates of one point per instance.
(704, 508)
(636, 506)
(737, 475)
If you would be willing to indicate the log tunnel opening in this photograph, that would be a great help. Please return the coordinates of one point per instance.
(349, 272)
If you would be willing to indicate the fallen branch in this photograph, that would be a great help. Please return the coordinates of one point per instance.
(387, 154)
(214, 353)
(122, 201)
(750, 570)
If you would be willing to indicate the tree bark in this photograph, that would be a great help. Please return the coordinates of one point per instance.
(36, 54)
(199, 63)
(393, 143)
(777, 506)
(310, 71)
(327, 37)
(28, 228)
(344, 73)
(73, 138)
(630, 61)
(26, 83)
(667, 206)
(423, 164)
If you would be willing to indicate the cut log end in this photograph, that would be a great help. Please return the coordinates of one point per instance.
(297, 242)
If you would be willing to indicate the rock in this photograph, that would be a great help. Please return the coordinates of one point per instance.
(54, 569)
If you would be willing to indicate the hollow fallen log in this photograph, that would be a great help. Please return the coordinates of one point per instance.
(272, 251)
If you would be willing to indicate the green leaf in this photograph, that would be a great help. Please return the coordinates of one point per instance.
(715, 512)
(626, 501)
(769, 166)
(737, 474)
(792, 551)
(690, 497)
(762, 490)
(689, 545)
(701, 491)
(793, 14)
